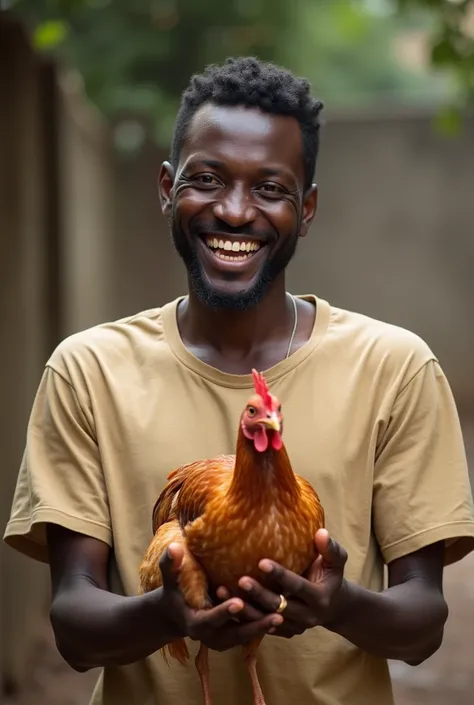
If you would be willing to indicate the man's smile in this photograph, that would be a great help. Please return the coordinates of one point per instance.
(233, 253)
(232, 248)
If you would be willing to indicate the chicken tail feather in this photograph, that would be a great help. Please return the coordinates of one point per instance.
(177, 650)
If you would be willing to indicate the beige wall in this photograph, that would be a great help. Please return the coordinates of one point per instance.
(24, 318)
(56, 224)
(86, 211)
(394, 237)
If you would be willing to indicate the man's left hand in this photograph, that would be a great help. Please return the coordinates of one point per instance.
(313, 600)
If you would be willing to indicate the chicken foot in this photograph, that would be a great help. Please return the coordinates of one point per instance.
(202, 667)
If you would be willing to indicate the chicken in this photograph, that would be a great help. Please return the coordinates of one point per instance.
(208, 507)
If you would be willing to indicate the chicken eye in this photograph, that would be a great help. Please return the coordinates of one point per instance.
(279, 408)
(251, 410)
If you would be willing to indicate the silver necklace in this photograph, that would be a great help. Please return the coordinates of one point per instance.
(295, 325)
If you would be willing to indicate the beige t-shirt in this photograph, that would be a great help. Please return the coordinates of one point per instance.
(369, 420)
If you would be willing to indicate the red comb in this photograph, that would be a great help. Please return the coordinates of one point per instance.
(261, 387)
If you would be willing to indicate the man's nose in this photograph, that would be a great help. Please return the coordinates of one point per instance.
(235, 209)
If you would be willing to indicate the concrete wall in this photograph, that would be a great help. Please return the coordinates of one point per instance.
(394, 236)
(56, 224)
(87, 220)
(26, 320)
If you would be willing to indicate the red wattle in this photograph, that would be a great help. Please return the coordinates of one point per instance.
(260, 440)
(276, 441)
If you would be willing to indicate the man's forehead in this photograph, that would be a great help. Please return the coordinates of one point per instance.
(237, 131)
(238, 118)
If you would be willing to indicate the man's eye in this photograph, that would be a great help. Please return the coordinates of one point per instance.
(206, 179)
(271, 188)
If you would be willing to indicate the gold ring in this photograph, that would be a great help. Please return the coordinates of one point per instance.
(283, 604)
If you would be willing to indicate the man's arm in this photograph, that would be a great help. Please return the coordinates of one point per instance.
(93, 626)
(404, 622)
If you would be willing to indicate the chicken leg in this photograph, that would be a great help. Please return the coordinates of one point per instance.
(202, 667)
(251, 663)
(250, 658)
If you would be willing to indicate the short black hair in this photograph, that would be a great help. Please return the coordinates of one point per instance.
(252, 83)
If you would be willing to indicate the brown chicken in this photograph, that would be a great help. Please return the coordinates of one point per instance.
(209, 506)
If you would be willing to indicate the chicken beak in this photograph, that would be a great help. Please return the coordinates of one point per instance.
(271, 422)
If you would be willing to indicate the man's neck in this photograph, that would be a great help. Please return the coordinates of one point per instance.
(237, 334)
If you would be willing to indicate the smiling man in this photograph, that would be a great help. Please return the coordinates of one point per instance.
(370, 421)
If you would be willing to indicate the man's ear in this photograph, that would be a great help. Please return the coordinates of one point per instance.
(310, 206)
(165, 187)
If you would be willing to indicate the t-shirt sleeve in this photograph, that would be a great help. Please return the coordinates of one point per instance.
(60, 479)
(422, 493)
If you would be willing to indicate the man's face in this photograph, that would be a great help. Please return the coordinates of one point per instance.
(236, 203)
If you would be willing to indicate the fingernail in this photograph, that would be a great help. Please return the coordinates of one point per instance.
(234, 608)
(246, 585)
(272, 630)
(266, 566)
(276, 621)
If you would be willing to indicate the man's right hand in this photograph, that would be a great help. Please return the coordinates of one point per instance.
(231, 623)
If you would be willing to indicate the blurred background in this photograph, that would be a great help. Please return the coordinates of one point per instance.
(88, 94)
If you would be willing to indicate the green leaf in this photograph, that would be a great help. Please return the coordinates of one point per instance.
(443, 53)
(50, 34)
(448, 121)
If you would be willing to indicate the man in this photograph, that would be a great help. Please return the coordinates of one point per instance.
(369, 420)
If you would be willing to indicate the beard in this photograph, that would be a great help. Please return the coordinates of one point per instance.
(240, 300)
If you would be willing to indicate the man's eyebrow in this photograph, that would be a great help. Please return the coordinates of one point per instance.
(270, 171)
(211, 163)
(275, 171)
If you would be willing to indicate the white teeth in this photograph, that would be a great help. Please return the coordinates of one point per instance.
(239, 258)
(232, 246)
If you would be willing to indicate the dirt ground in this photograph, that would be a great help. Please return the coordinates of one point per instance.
(445, 679)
